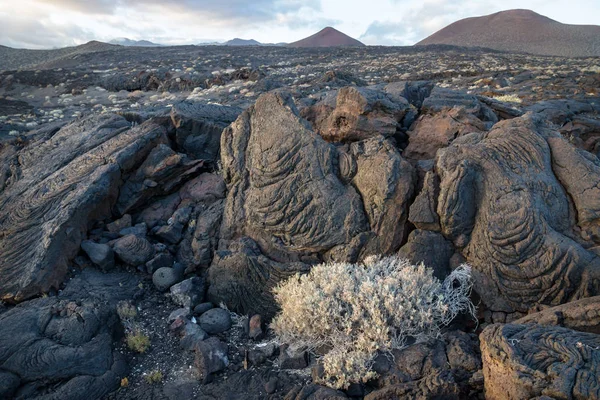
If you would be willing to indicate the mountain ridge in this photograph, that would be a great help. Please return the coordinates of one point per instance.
(520, 30)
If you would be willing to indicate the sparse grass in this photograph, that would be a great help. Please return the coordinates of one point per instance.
(594, 68)
(126, 311)
(509, 98)
(137, 341)
(358, 310)
(154, 377)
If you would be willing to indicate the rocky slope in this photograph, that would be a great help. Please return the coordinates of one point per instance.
(138, 245)
(521, 31)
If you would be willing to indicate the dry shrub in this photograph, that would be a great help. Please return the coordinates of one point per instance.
(509, 98)
(358, 310)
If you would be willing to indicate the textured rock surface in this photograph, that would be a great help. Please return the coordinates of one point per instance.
(133, 250)
(271, 153)
(215, 320)
(525, 361)
(64, 181)
(211, 357)
(361, 113)
(433, 132)
(581, 315)
(199, 126)
(504, 201)
(292, 196)
(161, 172)
(100, 254)
(385, 182)
(430, 248)
(423, 211)
(439, 369)
(188, 293)
(62, 347)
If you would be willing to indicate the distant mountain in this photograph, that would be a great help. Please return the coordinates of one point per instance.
(25, 58)
(242, 42)
(521, 31)
(129, 42)
(328, 37)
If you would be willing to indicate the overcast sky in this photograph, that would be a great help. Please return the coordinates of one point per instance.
(59, 23)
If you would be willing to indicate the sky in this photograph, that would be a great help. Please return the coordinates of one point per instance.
(41, 24)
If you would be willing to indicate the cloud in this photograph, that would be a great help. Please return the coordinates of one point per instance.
(168, 22)
(248, 10)
(417, 20)
(38, 34)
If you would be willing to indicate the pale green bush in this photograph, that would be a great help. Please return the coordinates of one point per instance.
(354, 311)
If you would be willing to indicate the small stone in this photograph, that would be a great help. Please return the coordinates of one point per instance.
(133, 250)
(202, 308)
(188, 293)
(177, 325)
(163, 260)
(139, 230)
(215, 321)
(269, 349)
(170, 233)
(100, 254)
(317, 372)
(211, 357)
(108, 236)
(255, 330)
(164, 278)
(355, 390)
(287, 360)
(192, 334)
(256, 357)
(271, 385)
(179, 313)
(118, 225)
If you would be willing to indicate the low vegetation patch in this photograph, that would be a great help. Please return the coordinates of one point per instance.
(509, 98)
(154, 377)
(137, 341)
(358, 310)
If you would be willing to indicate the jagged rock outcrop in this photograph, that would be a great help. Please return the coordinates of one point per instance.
(526, 361)
(61, 182)
(160, 174)
(423, 211)
(242, 277)
(362, 113)
(581, 315)
(198, 127)
(445, 115)
(282, 181)
(435, 131)
(505, 202)
(431, 249)
(385, 182)
(294, 199)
